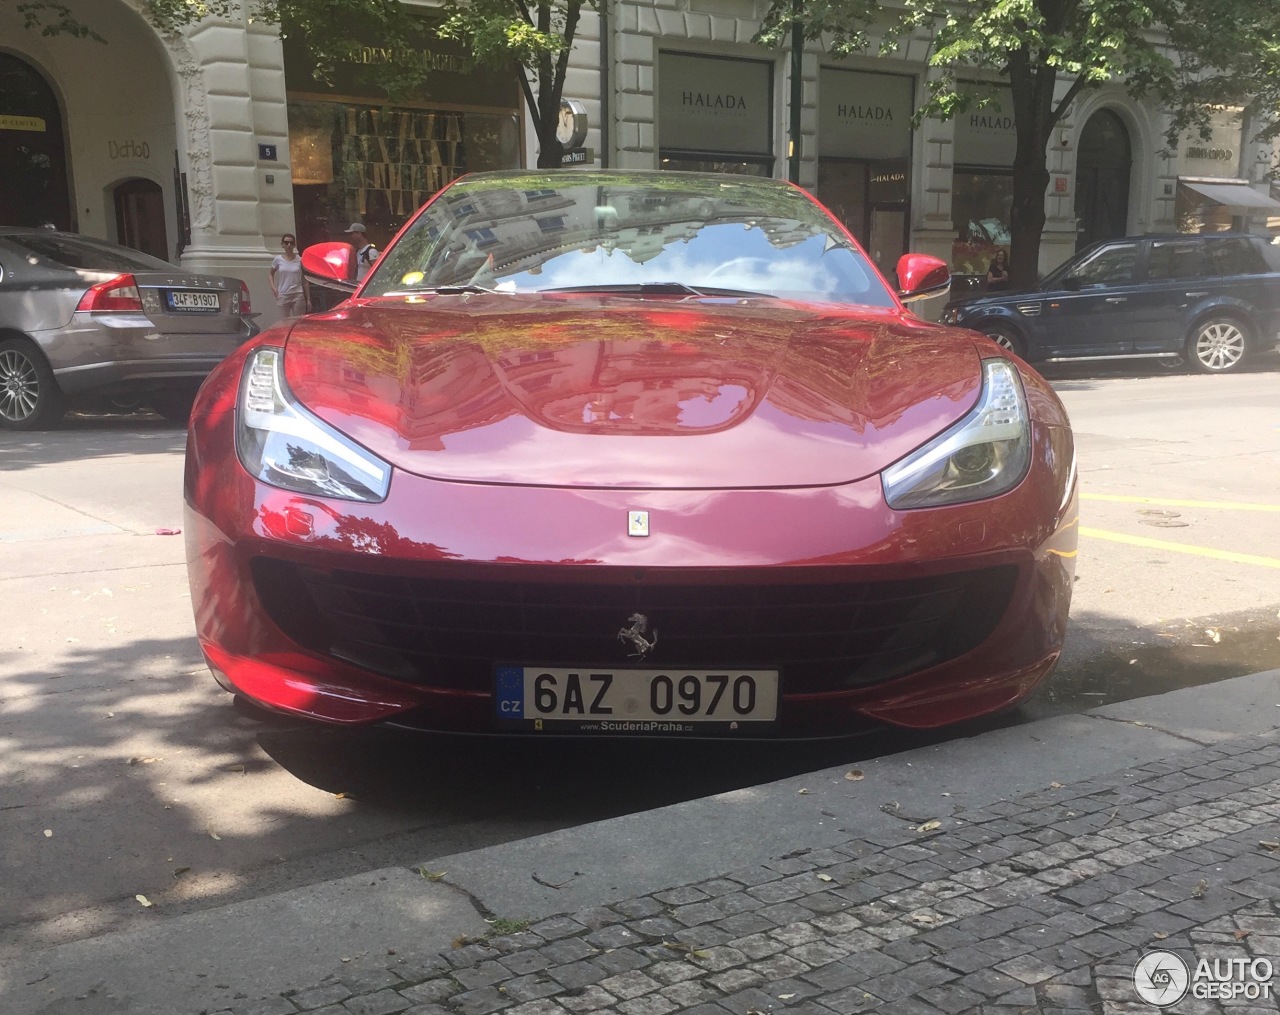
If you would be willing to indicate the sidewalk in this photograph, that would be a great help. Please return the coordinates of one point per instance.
(905, 898)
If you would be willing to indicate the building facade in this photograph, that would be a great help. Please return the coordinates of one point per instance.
(204, 146)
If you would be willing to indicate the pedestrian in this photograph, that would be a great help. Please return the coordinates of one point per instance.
(293, 291)
(998, 272)
(366, 252)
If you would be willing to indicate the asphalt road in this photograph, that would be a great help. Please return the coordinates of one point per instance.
(124, 771)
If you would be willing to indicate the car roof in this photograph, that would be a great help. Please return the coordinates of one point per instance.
(1226, 235)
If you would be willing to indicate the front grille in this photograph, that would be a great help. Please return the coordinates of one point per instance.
(450, 633)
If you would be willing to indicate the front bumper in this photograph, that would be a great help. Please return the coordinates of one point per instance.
(315, 607)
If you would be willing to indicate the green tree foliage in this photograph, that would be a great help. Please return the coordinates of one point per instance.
(534, 34)
(531, 37)
(1187, 54)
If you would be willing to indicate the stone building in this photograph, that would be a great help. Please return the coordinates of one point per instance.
(204, 146)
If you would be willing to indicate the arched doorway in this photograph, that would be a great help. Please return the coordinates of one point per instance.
(33, 157)
(1102, 179)
(140, 217)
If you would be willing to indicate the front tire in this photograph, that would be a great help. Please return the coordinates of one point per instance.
(30, 398)
(1007, 339)
(1217, 345)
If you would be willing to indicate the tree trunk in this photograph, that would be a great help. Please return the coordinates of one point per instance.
(550, 150)
(1030, 181)
(1032, 83)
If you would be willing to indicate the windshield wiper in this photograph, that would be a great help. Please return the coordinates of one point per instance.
(450, 290)
(655, 289)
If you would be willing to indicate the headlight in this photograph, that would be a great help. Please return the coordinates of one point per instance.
(985, 454)
(281, 443)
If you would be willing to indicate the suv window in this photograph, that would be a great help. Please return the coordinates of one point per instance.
(1178, 259)
(1111, 265)
(1237, 255)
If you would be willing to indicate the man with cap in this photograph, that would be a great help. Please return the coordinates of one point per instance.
(366, 252)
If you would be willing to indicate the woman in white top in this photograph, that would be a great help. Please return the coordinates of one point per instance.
(293, 292)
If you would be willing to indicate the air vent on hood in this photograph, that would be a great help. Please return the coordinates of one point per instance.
(1028, 309)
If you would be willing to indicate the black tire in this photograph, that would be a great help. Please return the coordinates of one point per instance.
(175, 406)
(1217, 344)
(1006, 338)
(30, 398)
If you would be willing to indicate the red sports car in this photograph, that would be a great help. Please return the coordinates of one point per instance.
(629, 454)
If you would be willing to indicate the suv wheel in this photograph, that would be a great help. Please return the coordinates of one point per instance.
(1006, 339)
(29, 395)
(1216, 345)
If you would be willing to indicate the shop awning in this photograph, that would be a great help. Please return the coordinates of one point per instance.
(1233, 194)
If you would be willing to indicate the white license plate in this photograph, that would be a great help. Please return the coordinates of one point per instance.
(634, 701)
(193, 301)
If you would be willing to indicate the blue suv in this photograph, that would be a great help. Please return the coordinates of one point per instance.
(1209, 299)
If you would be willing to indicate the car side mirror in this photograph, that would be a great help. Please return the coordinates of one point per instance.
(329, 264)
(922, 277)
(1073, 282)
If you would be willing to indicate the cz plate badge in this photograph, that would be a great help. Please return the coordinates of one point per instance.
(637, 523)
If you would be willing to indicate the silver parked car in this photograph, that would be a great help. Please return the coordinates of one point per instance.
(81, 316)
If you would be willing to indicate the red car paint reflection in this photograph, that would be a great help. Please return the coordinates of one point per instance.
(523, 426)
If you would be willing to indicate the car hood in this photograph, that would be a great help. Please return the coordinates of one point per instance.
(622, 392)
(1003, 296)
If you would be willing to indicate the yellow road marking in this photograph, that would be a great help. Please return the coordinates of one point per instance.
(1226, 505)
(1198, 551)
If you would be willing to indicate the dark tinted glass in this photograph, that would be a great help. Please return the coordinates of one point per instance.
(1177, 259)
(1109, 265)
(1236, 255)
(724, 234)
(72, 252)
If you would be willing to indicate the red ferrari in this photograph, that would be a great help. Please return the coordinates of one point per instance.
(629, 454)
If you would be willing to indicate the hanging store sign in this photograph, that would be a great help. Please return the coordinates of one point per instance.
(987, 136)
(715, 104)
(31, 123)
(862, 115)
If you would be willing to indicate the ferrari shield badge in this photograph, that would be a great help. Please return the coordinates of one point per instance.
(637, 523)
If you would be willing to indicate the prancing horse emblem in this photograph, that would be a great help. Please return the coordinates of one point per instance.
(634, 635)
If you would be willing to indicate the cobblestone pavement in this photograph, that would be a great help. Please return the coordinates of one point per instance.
(1039, 904)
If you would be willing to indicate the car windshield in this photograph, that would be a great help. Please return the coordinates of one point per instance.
(85, 254)
(664, 232)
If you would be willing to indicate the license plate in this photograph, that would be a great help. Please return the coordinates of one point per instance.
(634, 701)
(197, 301)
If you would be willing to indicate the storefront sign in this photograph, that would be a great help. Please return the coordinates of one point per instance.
(1218, 154)
(987, 136)
(863, 115)
(31, 123)
(577, 156)
(128, 150)
(714, 104)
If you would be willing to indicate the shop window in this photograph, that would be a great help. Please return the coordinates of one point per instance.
(864, 157)
(981, 206)
(378, 165)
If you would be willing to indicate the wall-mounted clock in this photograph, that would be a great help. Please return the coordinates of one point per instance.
(571, 128)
